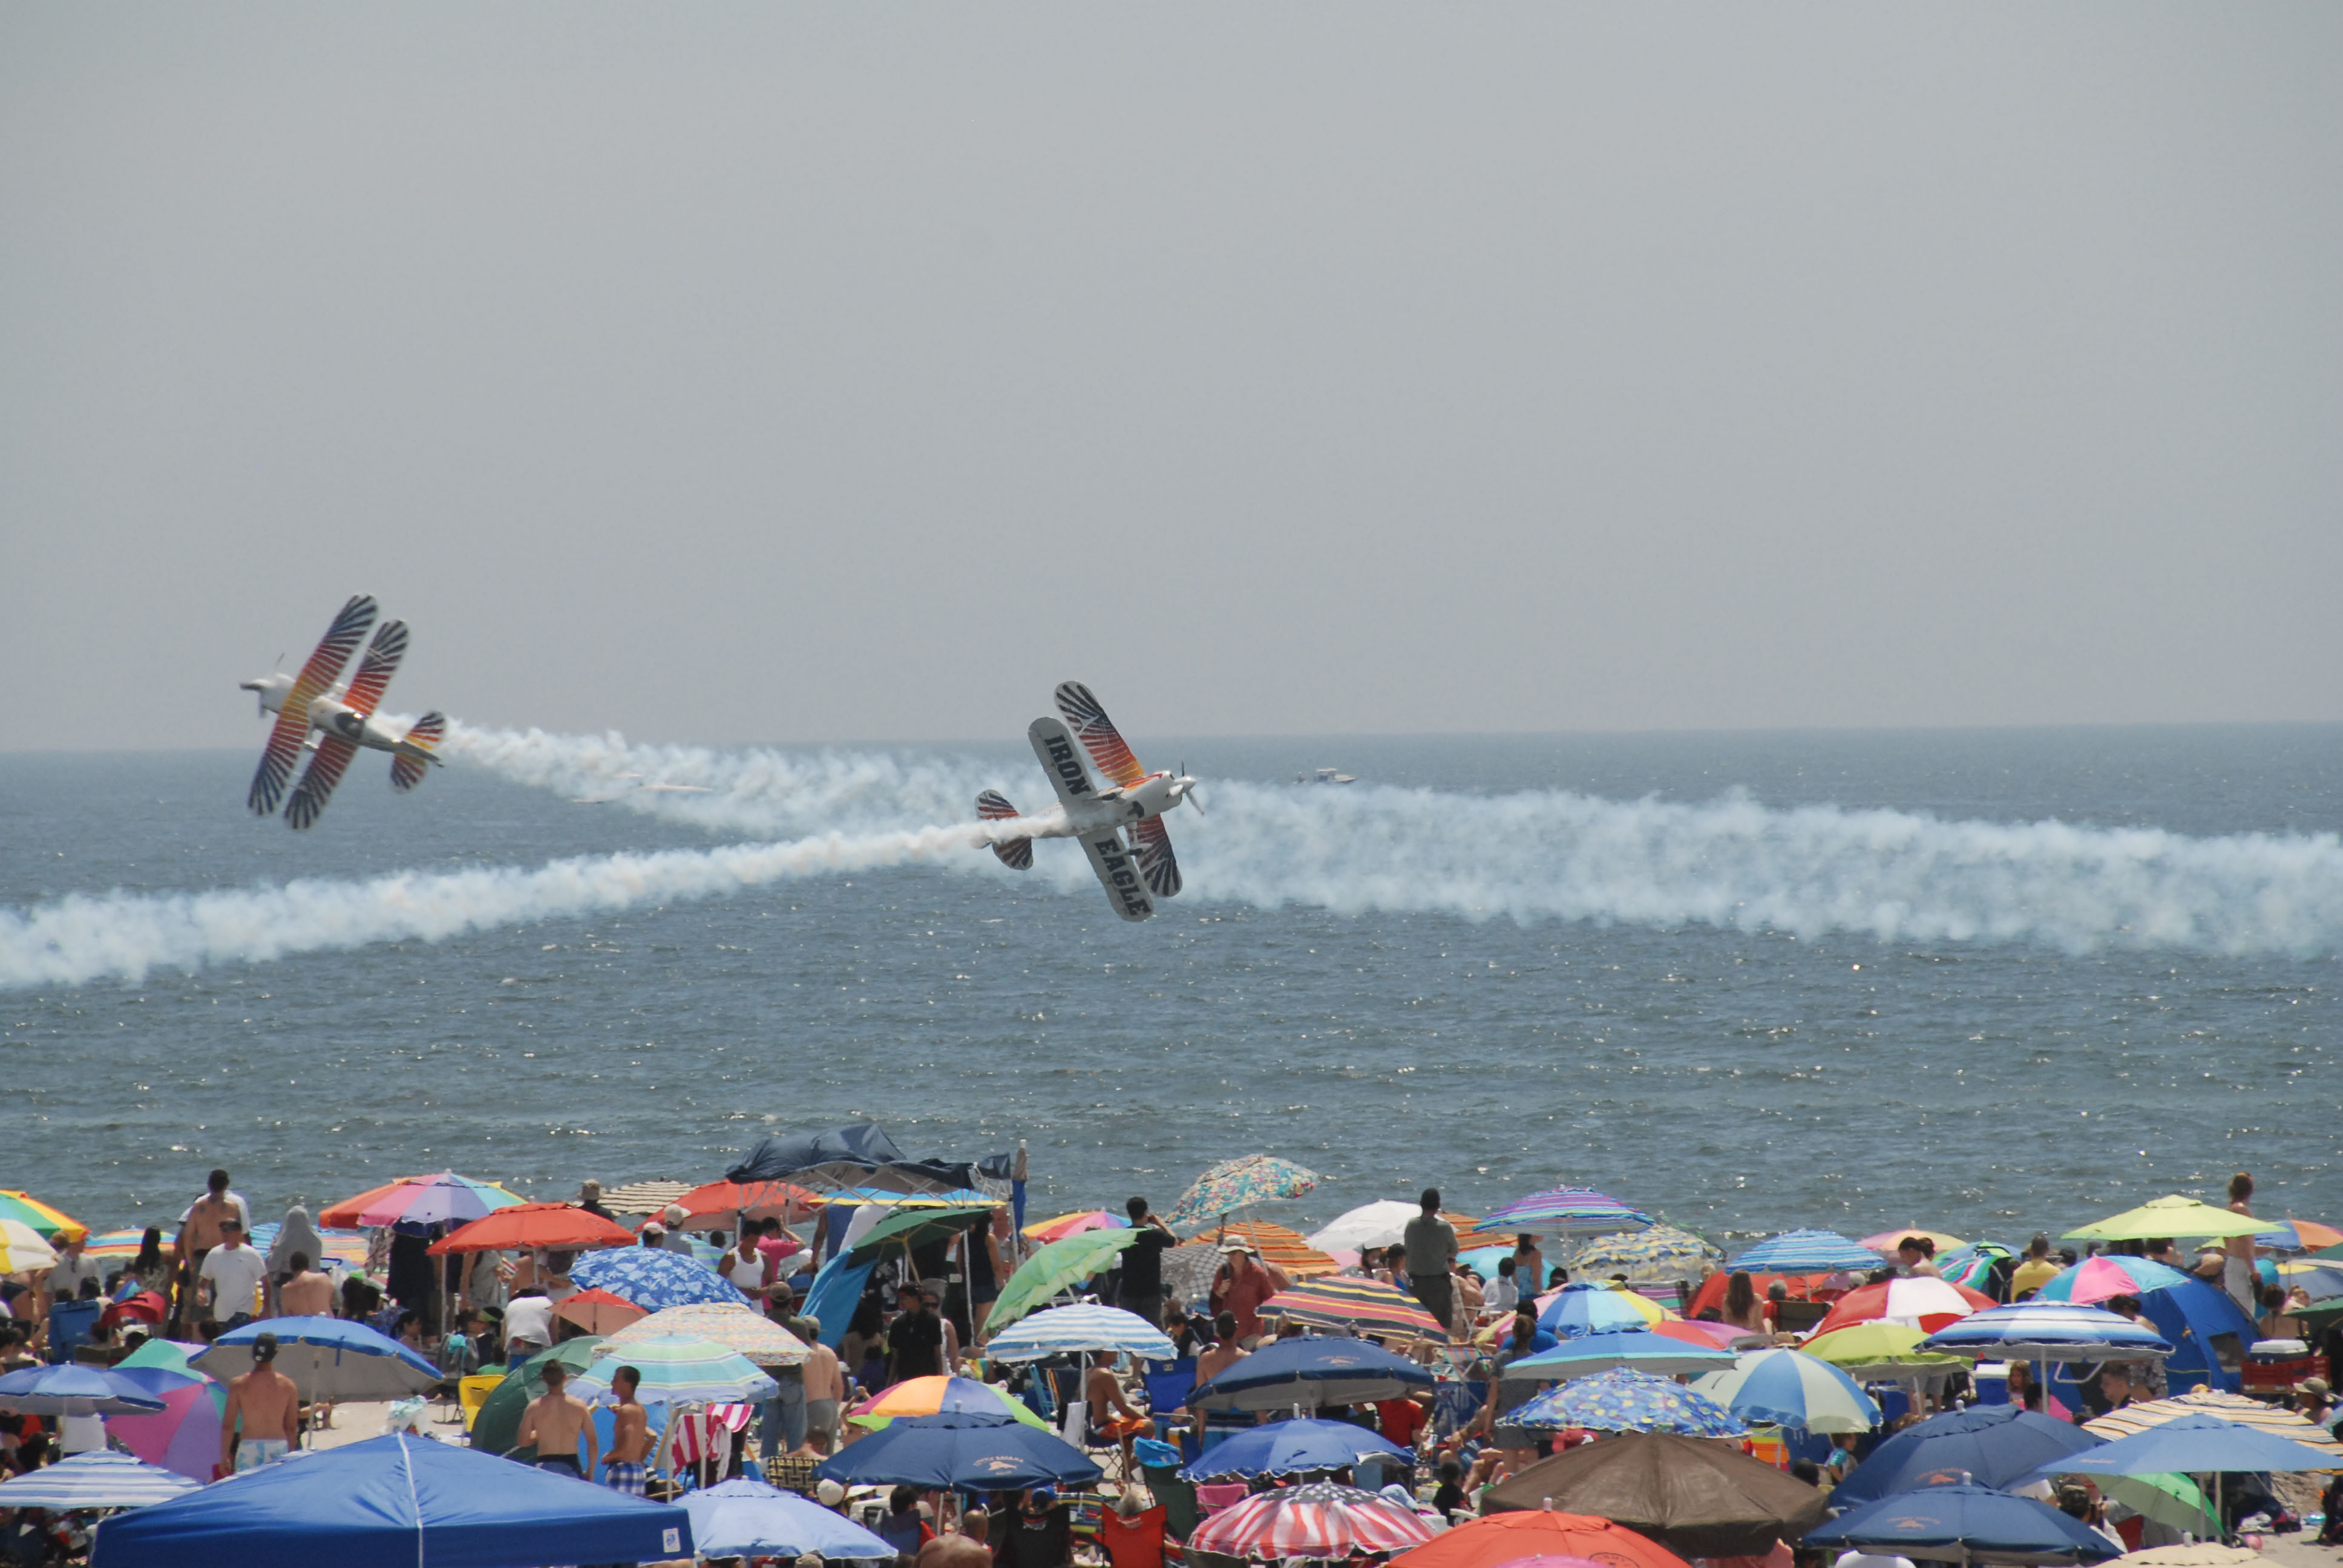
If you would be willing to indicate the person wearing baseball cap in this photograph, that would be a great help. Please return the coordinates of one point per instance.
(267, 1407)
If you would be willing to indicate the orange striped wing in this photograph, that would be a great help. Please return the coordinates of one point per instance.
(326, 765)
(317, 677)
(1086, 716)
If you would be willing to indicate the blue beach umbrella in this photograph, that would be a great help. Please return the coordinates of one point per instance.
(1311, 1372)
(1791, 1390)
(74, 1389)
(973, 1452)
(1624, 1400)
(1085, 1326)
(1586, 1308)
(2191, 1445)
(1567, 1211)
(1995, 1444)
(653, 1278)
(99, 1478)
(1291, 1448)
(1964, 1523)
(1584, 1355)
(747, 1518)
(326, 1358)
(1805, 1252)
(2049, 1331)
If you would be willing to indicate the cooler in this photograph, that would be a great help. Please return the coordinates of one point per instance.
(2273, 1366)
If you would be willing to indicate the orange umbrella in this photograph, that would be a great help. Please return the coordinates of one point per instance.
(556, 1227)
(599, 1311)
(720, 1205)
(1276, 1245)
(1500, 1538)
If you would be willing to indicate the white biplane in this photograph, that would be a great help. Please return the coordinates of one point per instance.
(342, 715)
(1134, 803)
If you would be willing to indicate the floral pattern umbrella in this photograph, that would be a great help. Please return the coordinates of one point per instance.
(1659, 1256)
(1239, 1184)
(1568, 1211)
(1319, 1519)
(653, 1278)
(1627, 1400)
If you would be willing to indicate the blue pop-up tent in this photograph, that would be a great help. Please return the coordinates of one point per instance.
(395, 1501)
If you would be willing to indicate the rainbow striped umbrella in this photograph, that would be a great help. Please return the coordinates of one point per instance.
(1584, 1308)
(1354, 1306)
(1319, 1520)
(1568, 1211)
(936, 1395)
(444, 1198)
(2094, 1280)
(1045, 1231)
(52, 1225)
(1971, 1265)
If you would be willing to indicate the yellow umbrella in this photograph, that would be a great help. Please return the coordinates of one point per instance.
(22, 1249)
(2171, 1215)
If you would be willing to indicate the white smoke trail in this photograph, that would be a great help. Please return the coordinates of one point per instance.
(124, 936)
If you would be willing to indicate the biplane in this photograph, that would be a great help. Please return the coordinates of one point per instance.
(341, 715)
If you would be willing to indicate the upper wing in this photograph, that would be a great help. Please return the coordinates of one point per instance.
(1098, 734)
(1059, 761)
(1155, 862)
(317, 677)
(1118, 873)
(318, 780)
(374, 670)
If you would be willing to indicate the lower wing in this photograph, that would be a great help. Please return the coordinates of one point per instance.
(1118, 873)
(318, 781)
(1155, 862)
(276, 757)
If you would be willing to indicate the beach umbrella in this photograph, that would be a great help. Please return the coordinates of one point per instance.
(23, 1248)
(326, 1358)
(347, 1248)
(1055, 1267)
(1279, 1244)
(1995, 1444)
(2319, 1282)
(1500, 1538)
(2299, 1236)
(1645, 1349)
(1295, 1447)
(1878, 1350)
(2195, 1444)
(741, 1329)
(73, 1390)
(1917, 1302)
(1791, 1390)
(1074, 1224)
(1383, 1223)
(1708, 1333)
(1239, 1184)
(1696, 1498)
(1568, 1211)
(98, 1479)
(644, 1197)
(2171, 1215)
(1971, 1265)
(496, 1427)
(56, 1226)
(1585, 1307)
(653, 1278)
(112, 1246)
(2049, 1331)
(1663, 1255)
(2275, 1420)
(599, 1311)
(1349, 1304)
(1085, 1326)
(1316, 1520)
(1887, 1241)
(184, 1436)
(521, 1227)
(678, 1368)
(747, 1518)
(1965, 1523)
(1625, 1399)
(971, 1450)
(2094, 1280)
(1806, 1253)
(723, 1205)
(937, 1395)
(395, 1501)
(2192, 1554)
(916, 1224)
(1311, 1372)
(438, 1200)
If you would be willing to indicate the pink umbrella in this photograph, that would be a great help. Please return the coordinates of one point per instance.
(2097, 1278)
(185, 1434)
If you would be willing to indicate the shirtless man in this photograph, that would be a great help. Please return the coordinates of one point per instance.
(270, 1409)
(825, 1382)
(198, 1235)
(954, 1550)
(1105, 1394)
(306, 1293)
(631, 1441)
(553, 1421)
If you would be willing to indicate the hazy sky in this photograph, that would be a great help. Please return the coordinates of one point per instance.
(795, 372)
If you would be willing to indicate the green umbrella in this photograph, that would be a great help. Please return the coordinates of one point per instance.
(2172, 1500)
(2171, 1215)
(497, 1426)
(910, 1228)
(1052, 1269)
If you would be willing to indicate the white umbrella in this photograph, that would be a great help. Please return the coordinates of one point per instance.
(1083, 1327)
(1377, 1224)
(99, 1478)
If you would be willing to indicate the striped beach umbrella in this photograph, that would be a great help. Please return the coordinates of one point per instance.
(1791, 1390)
(2275, 1420)
(1806, 1253)
(1661, 1255)
(939, 1396)
(22, 1247)
(653, 1278)
(1625, 1399)
(741, 1330)
(1568, 1211)
(52, 1225)
(1319, 1520)
(1239, 1184)
(1085, 1326)
(1919, 1302)
(679, 1369)
(1584, 1308)
(1971, 1265)
(438, 1200)
(2049, 1331)
(1073, 1225)
(99, 1478)
(347, 1248)
(2094, 1280)
(2299, 1236)
(1351, 1306)
(1645, 1349)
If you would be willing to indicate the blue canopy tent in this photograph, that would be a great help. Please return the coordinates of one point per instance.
(395, 1501)
(778, 1156)
(835, 1292)
(2208, 1331)
(1313, 1373)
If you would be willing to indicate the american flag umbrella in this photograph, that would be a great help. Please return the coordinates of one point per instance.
(1351, 1306)
(1321, 1519)
(1568, 1211)
(1234, 1184)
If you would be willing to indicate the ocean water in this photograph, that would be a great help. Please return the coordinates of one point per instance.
(1985, 981)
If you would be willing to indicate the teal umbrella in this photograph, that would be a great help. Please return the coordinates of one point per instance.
(1052, 1268)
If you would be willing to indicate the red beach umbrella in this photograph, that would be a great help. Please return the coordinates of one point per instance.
(556, 1227)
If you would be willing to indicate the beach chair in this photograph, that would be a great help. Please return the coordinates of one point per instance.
(1136, 1541)
(1213, 1496)
(473, 1391)
(1169, 1384)
(70, 1323)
